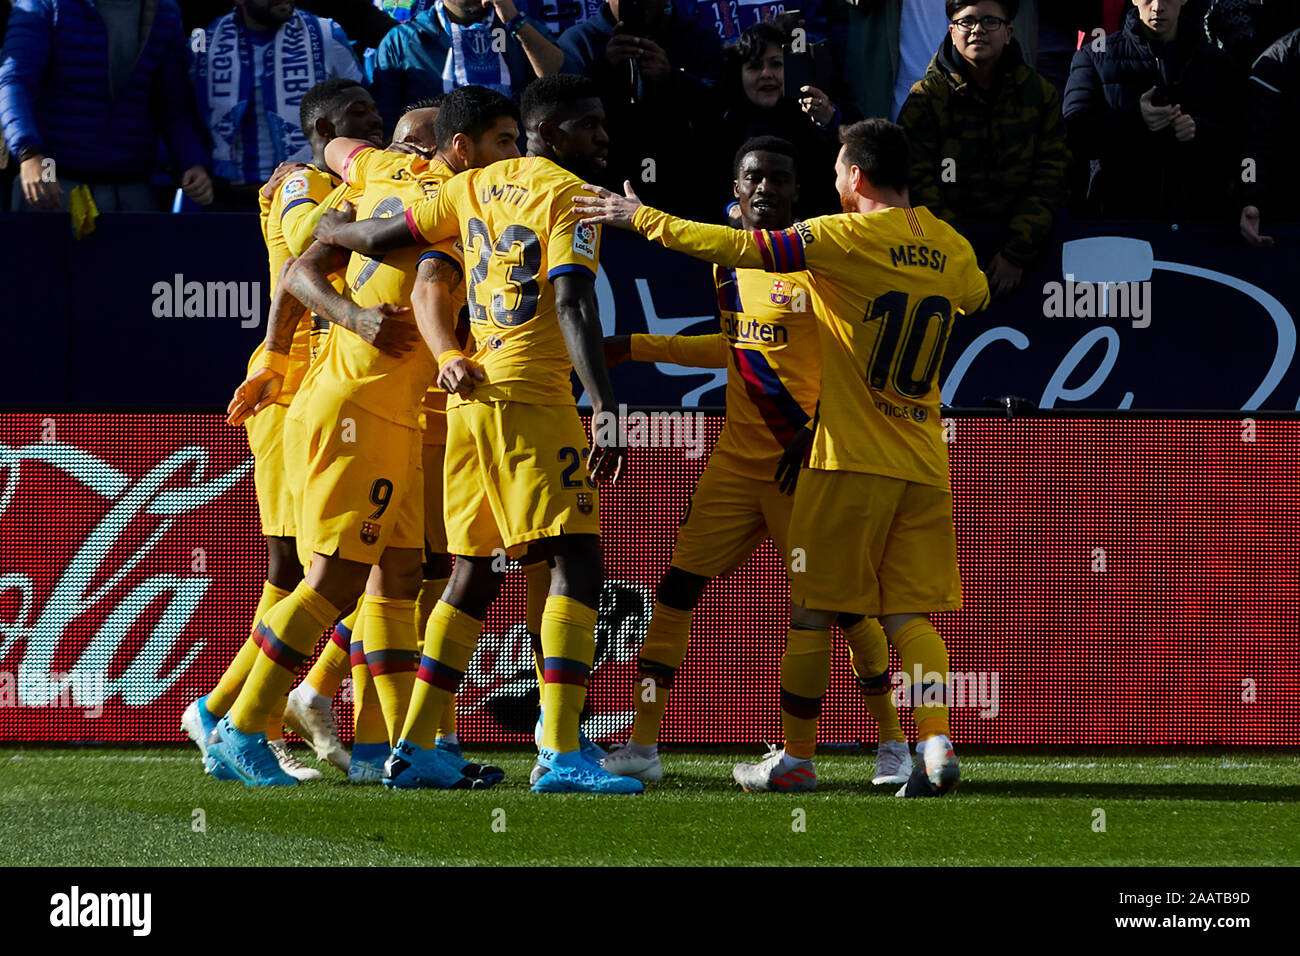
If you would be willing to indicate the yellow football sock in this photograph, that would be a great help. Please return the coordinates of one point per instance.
(805, 675)
(335, 660)
(568, 644)
(232, 681)
(392, 653)
(537, 580)
(656, 665)
(430, 593)
(924, 659)
(448, 646)
(287, 634)
(367, 714)
(275, 723)
(866, 640)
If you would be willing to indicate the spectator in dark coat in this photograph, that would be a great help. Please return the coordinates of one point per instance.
(989, 153)
(1245, 28)
(361, 20)
(755, 104)
(656, 82)
(1156, 111)
(85, 94)
(1274, 139)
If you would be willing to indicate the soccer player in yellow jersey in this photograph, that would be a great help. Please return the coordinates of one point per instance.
(352, 441)
(770, 350)
(519, 468)
(337, 107)
(871, 531)
(472, 126)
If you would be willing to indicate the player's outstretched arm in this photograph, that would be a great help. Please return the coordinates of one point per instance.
(721, 244)
(579, 318)
(386, 327)
(691, 351)
(370, 237)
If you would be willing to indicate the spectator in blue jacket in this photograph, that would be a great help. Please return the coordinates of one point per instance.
(459, 43)
(86, 103)
(251, 69)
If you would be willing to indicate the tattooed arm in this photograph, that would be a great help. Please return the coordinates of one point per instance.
(263, 384)
(385, 326)
(435, 315)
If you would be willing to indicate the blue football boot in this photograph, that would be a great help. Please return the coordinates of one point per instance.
(247, 756)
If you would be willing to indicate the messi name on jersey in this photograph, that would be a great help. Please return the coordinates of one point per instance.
(921, 256)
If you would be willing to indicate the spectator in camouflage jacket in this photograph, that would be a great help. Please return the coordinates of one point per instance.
(989, 153)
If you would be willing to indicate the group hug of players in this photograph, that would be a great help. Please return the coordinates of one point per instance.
(388, 438)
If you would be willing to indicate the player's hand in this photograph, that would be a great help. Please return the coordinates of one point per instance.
(459, 374)
(606, 459)
(413, 149)
(817, 105)
(197, 185)
(1156, 117)
(388, 328)
(506, 9)
(618, 349)
(260, 389)
(331, 220)
(793, 458)
(1249, 226)
(607, 207)
(40, 184)
(1184, 126)
(281, 173)
(1004, 278)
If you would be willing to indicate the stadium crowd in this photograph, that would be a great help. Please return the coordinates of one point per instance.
(1161, 109)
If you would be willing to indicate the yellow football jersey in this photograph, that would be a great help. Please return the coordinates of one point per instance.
(773, 360)
(293, 201)
(350, 367)
(520, 231)
(886, 287)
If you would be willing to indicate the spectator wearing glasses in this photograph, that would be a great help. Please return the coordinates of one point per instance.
(891, 42)
(1155, 112)
(989, 153)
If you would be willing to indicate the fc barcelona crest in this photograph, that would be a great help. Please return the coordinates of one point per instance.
(369, 532)
(778, 295)
(584, 502)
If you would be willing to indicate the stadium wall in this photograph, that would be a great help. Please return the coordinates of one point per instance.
(1200, 320)
(1128, 580)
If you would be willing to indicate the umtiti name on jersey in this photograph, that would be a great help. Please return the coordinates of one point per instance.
(509, 192)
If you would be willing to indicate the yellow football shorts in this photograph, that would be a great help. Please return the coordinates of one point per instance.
(435, 527)
(362, 486)
(729, 516)
(275, 504)
(515, 473)
(872, 545)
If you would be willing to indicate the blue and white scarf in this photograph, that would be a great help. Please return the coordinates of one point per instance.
(471, 59)
(292, 63)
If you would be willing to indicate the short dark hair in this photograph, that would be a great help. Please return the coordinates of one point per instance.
(1009, 7)
(878, 148)
(471, 110)
(548, 97)
(766, 144)
(324, 98)
(756, 38)
(427, 103)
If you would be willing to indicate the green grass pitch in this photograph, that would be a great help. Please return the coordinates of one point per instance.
(141, 807)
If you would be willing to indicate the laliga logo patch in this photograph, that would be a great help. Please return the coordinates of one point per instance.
(495, 342)
(584, 502)
(919, 414)
(295, 186)
(369, 532)
(778, 295)
(584, 241)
